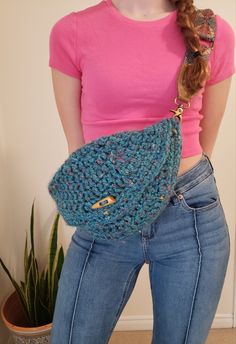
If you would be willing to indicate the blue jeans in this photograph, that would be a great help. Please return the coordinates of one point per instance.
(187, 248)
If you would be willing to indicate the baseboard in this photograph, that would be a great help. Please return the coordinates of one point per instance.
(144, 322)
(223, 321)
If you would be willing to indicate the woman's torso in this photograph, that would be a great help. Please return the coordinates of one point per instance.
(128, 70)
(186, 163)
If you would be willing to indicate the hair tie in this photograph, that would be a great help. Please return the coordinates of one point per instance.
(197, 53)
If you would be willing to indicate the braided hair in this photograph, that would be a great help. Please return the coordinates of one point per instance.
(191, 76)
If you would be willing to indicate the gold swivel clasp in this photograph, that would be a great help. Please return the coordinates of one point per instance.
(179, 110)
(104, 202)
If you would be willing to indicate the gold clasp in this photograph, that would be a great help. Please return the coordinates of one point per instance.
(180, 109)
(104, 202)
(181, 104)
(178, 112)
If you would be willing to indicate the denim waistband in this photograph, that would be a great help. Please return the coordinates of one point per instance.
(194, 175)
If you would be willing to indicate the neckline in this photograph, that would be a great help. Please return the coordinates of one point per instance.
(114, 10)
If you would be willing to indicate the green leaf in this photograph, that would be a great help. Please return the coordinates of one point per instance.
(30, 291)
(18, 290)
(57, 266)
(60, 262)
(46, 289)
(52, 250)
(22, 286)
(26, 263)
(38, 292)
(35, 289)
(43, 296)
(42, 284)
(32, 227)
(44, 315)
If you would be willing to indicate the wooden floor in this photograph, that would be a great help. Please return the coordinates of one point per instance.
(216, 336)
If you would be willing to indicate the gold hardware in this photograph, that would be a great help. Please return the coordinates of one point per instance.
(162, 197)
(174, 131)
(106, 200)
(185, 107)
(178, 112)
(180, 108)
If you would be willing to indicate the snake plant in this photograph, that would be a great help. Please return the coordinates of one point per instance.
(37, 293)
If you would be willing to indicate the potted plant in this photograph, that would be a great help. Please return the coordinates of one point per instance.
(28, 311)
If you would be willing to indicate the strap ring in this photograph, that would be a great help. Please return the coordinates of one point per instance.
(185, 107)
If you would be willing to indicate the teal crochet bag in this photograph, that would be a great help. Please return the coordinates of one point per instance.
(115, 185)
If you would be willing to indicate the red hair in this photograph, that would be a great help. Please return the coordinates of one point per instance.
(191, 76)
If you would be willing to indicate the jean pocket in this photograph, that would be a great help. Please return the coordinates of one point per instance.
(202, 196)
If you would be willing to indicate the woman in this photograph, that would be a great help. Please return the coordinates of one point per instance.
(114, 68)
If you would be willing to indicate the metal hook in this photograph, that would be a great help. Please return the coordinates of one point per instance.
(185, 107)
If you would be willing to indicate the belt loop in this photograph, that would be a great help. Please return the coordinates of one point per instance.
(209, 161)
(174, 197)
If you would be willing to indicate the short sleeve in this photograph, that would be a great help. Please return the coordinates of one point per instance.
(222, 58)
(63, 46)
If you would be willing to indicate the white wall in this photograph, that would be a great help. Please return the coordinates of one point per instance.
(32, 145)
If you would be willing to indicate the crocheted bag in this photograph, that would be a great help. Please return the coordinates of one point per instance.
(115, 185)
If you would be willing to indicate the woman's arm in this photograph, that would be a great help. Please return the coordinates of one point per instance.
(213, 107)
(67, 92)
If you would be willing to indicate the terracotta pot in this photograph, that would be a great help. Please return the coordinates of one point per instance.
(14, 319)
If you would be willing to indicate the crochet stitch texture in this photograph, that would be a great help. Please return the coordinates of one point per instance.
(138, 168)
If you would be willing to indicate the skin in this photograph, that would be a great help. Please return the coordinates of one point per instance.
(143, 9)
(67, 91)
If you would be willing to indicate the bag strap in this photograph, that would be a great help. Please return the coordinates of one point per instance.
(205, 23)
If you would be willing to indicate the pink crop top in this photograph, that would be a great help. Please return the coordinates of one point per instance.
(128, 69)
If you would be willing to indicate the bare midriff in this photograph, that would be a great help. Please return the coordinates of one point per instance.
(187, 163)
